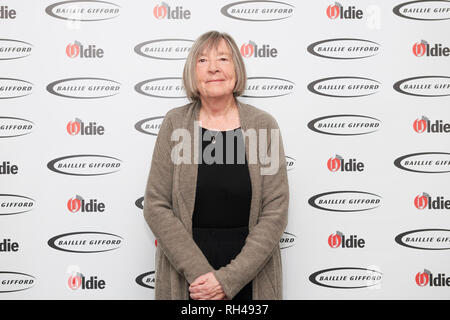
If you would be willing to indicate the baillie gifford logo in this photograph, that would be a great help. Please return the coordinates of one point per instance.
(338, 163)
(252, 50)
(79, 204)
(78, 127)
(164, 11)
(337, 11)
(77, 50)
(425, 201)
(424, 49)
(338, 239)
(426, 278)
(426, 125)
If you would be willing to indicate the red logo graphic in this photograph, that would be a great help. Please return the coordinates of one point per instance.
(334, 240)
(74, 204)
(74, 281)
(247, 50)
(423, 278)
(160, 11)
(420, 125)
(73, 49)
(333, 11)
(334, 164)
(73, 127)
(421, 201)
(419, 49)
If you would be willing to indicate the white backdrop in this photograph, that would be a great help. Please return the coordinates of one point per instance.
(118, 64)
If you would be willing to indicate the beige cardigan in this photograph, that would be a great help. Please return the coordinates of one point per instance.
(169, 204)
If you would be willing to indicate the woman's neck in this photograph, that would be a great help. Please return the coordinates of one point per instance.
(218, 107)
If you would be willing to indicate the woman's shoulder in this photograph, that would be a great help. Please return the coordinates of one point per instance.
(259, 117)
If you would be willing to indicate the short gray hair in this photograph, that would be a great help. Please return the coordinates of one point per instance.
(210, 40)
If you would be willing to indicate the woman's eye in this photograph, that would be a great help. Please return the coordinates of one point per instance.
(201, 60)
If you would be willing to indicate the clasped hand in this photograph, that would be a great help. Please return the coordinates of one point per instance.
(206, 287)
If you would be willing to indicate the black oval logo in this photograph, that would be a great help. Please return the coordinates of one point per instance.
(346, 278)
(11, 281)
(435, 162)
(146, 280)
(85, 165)
(11, 204)
(345, 201)
(140, 203)
(424, 86)
(349, 48)
(344, 125)
(424, 10)
(425, 239)
(344, 87)
(85, 242)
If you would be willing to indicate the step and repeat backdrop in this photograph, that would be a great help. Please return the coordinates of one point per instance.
(360, 90)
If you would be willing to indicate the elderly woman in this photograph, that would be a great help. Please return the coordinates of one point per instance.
(217, 221)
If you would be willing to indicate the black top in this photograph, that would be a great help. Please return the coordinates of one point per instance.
(222, 200)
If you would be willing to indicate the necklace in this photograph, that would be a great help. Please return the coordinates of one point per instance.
(213, 139)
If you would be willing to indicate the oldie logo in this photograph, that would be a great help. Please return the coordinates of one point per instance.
(78, 281)
(15, 281)
(287, 240)
(345, 125)
(149, 126)
(424, 86)
(346, 278)
(344, 48)
(7, 13)
(339, 164)
(253, 50)
(7, 167)
(11, 204)
(424, 10)
(345, 201)
(424, 162)
(15, 127)
(14, 49)
(85, 242)
(344, 87)
(84, 88)
(421, 125)
(146, 280)
(339, 240)
(338, 11)
(78, 127)
(267, 87)
(7, 245)
(14, 88)
(425, 239)
(165, 49)
(77, 50)
(79, 10)
(427, 278)
(258, 10)
(165, 11)
(425, 201)
(85, 165)
(170, 87)
(79, 204)
(424, 49)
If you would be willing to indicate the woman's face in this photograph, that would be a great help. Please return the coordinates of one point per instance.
(215, 73)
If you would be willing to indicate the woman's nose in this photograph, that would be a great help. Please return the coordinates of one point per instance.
(212, 66)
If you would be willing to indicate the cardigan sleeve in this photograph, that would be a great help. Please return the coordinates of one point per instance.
(266, 234)
(172, 236)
